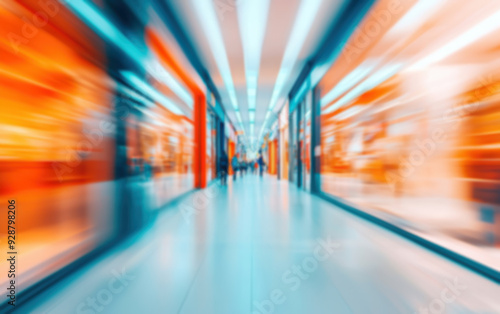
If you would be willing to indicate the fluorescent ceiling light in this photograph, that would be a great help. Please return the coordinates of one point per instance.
(307, 13)
(252, 18)
(208, 18)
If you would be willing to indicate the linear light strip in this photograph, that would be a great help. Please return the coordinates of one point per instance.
(252, 18)
(306, 15)
(207, 16)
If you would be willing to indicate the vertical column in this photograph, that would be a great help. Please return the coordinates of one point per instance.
(200, 141)
(221, 136)
(199, 111)
(278, 153)
(291, 149)
(299, 145)
(129, 211)
(231, 152)
(316, 142)
(275, 156)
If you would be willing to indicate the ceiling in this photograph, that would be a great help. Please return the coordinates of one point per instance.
(254, 50)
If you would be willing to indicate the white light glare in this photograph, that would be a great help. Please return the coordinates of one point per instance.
(480, 30)
(376, 79)
(348, 81)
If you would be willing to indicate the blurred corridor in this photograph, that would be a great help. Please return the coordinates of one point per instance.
(208, 146)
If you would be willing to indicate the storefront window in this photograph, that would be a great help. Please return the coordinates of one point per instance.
(56, 150)
(418, 146)
(294, 147)
(211, 145)
(306, 142)
(160, 151)
(283, 143)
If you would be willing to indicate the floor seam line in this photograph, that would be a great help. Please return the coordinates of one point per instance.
(191, 285)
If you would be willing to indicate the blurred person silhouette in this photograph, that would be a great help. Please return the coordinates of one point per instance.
(243, 167)
(234, 164)
(223, 163)
(261, 163)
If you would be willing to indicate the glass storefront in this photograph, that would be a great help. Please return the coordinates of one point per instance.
(294, 147)
(160, 150)
(418, 147)
(209, 145)
(211, 137)
(56, 150)
(283, 144)
(64, 141)
(305, 135)
(300, 129)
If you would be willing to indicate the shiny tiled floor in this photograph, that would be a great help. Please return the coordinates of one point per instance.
(263, 246)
